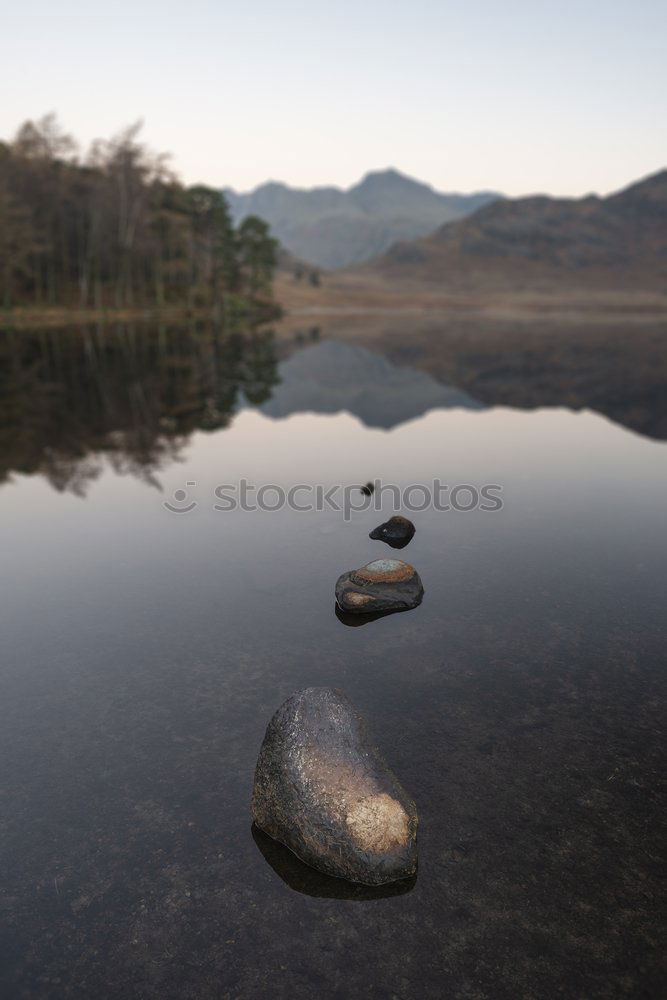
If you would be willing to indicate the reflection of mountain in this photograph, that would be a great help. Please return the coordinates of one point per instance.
(333, 376)
(130, 394)
(617, 371)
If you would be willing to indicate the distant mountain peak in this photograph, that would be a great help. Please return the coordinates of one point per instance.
(389, 174)
(332, 228)
(390, 179)
(652, 188)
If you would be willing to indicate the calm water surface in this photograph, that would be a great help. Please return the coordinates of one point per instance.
(144, 651)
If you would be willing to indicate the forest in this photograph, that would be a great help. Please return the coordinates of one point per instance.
(115, 229)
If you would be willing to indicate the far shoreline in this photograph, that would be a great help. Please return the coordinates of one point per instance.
(347, 297)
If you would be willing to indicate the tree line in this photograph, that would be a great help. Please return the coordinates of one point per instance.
(116, 229)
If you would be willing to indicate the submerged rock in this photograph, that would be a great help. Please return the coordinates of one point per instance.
(322, 789)
(381, 585)
(397, 532)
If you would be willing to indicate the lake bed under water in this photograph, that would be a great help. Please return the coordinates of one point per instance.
(144, 651)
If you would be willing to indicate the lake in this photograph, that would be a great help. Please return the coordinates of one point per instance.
(148, 636)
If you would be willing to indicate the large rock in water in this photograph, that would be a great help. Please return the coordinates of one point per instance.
(322, 789)
(382, 585)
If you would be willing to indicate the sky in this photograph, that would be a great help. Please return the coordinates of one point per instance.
(565, 98)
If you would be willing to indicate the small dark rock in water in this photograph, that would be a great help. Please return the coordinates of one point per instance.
(397, 532)
(382, 585)
(368, 489)
(322, 789)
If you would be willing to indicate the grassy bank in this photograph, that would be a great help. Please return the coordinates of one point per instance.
(55, 316)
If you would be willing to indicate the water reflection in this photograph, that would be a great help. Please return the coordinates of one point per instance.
(331, 376)
(129, 393)
(356, 620)
(143, 652)
(616, 369)
(302, 878)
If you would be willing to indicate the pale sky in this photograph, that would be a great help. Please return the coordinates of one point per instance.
(518, 96)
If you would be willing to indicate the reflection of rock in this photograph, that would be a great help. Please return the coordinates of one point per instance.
(331, 376)
(382, 585)
(397, 532)
(356, 620)
(303, 878)
(322, 789)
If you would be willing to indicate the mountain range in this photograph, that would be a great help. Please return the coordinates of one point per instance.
(622, 237)
(333, 228)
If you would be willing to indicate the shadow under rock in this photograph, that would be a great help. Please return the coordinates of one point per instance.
(302, 878)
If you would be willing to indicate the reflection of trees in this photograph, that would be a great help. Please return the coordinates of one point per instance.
(127, 393)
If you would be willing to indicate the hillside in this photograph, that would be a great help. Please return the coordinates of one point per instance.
(596, 240)
(332, 228)
(533, 302)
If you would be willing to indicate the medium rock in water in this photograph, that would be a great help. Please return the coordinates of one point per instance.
(397, 532)
(322, 789)
(382, 585)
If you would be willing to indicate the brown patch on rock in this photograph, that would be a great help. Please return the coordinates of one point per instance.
(379, 823)
(357, 600)
(384, 571)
